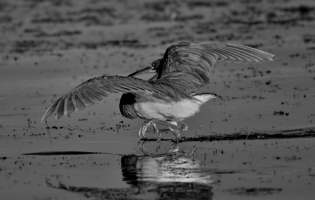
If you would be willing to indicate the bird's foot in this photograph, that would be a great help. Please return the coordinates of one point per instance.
(157, 131)
(176, 133)
(178, 128)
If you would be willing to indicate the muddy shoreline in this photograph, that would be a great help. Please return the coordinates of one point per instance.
(257, 142)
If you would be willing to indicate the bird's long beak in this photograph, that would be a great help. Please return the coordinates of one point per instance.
(148, 69)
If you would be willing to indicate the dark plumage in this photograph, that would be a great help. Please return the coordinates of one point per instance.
(126, 103)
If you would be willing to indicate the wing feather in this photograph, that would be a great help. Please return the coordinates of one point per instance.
(95, 89)
(78, 103)
(60, 108)
(188, 57)
(183, 69)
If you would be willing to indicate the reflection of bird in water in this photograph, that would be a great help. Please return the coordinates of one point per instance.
(167, 177)
(170, 176)
(174, 93)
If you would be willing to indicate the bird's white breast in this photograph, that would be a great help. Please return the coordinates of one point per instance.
(177, 109)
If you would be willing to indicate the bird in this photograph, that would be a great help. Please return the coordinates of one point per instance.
(174, 93)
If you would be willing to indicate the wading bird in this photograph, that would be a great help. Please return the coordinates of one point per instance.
(171, 95)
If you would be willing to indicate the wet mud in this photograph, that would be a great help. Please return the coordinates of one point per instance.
(256, 142)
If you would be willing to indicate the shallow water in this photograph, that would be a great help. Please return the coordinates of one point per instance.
(255, 143)
(243, 169)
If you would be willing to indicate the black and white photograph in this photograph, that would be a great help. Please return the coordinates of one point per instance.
(157, 99)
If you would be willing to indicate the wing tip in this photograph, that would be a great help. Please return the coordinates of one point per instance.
(48, 113)
(267, 56)
(263, 54)
(50, 110)
(272, 57)
(45, 116)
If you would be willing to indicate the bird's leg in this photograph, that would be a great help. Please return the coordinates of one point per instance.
(144, 129)
(157, 131)
(175, 131)
(140, 132)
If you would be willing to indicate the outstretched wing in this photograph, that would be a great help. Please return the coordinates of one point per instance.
(200, 58)
(95, 89)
